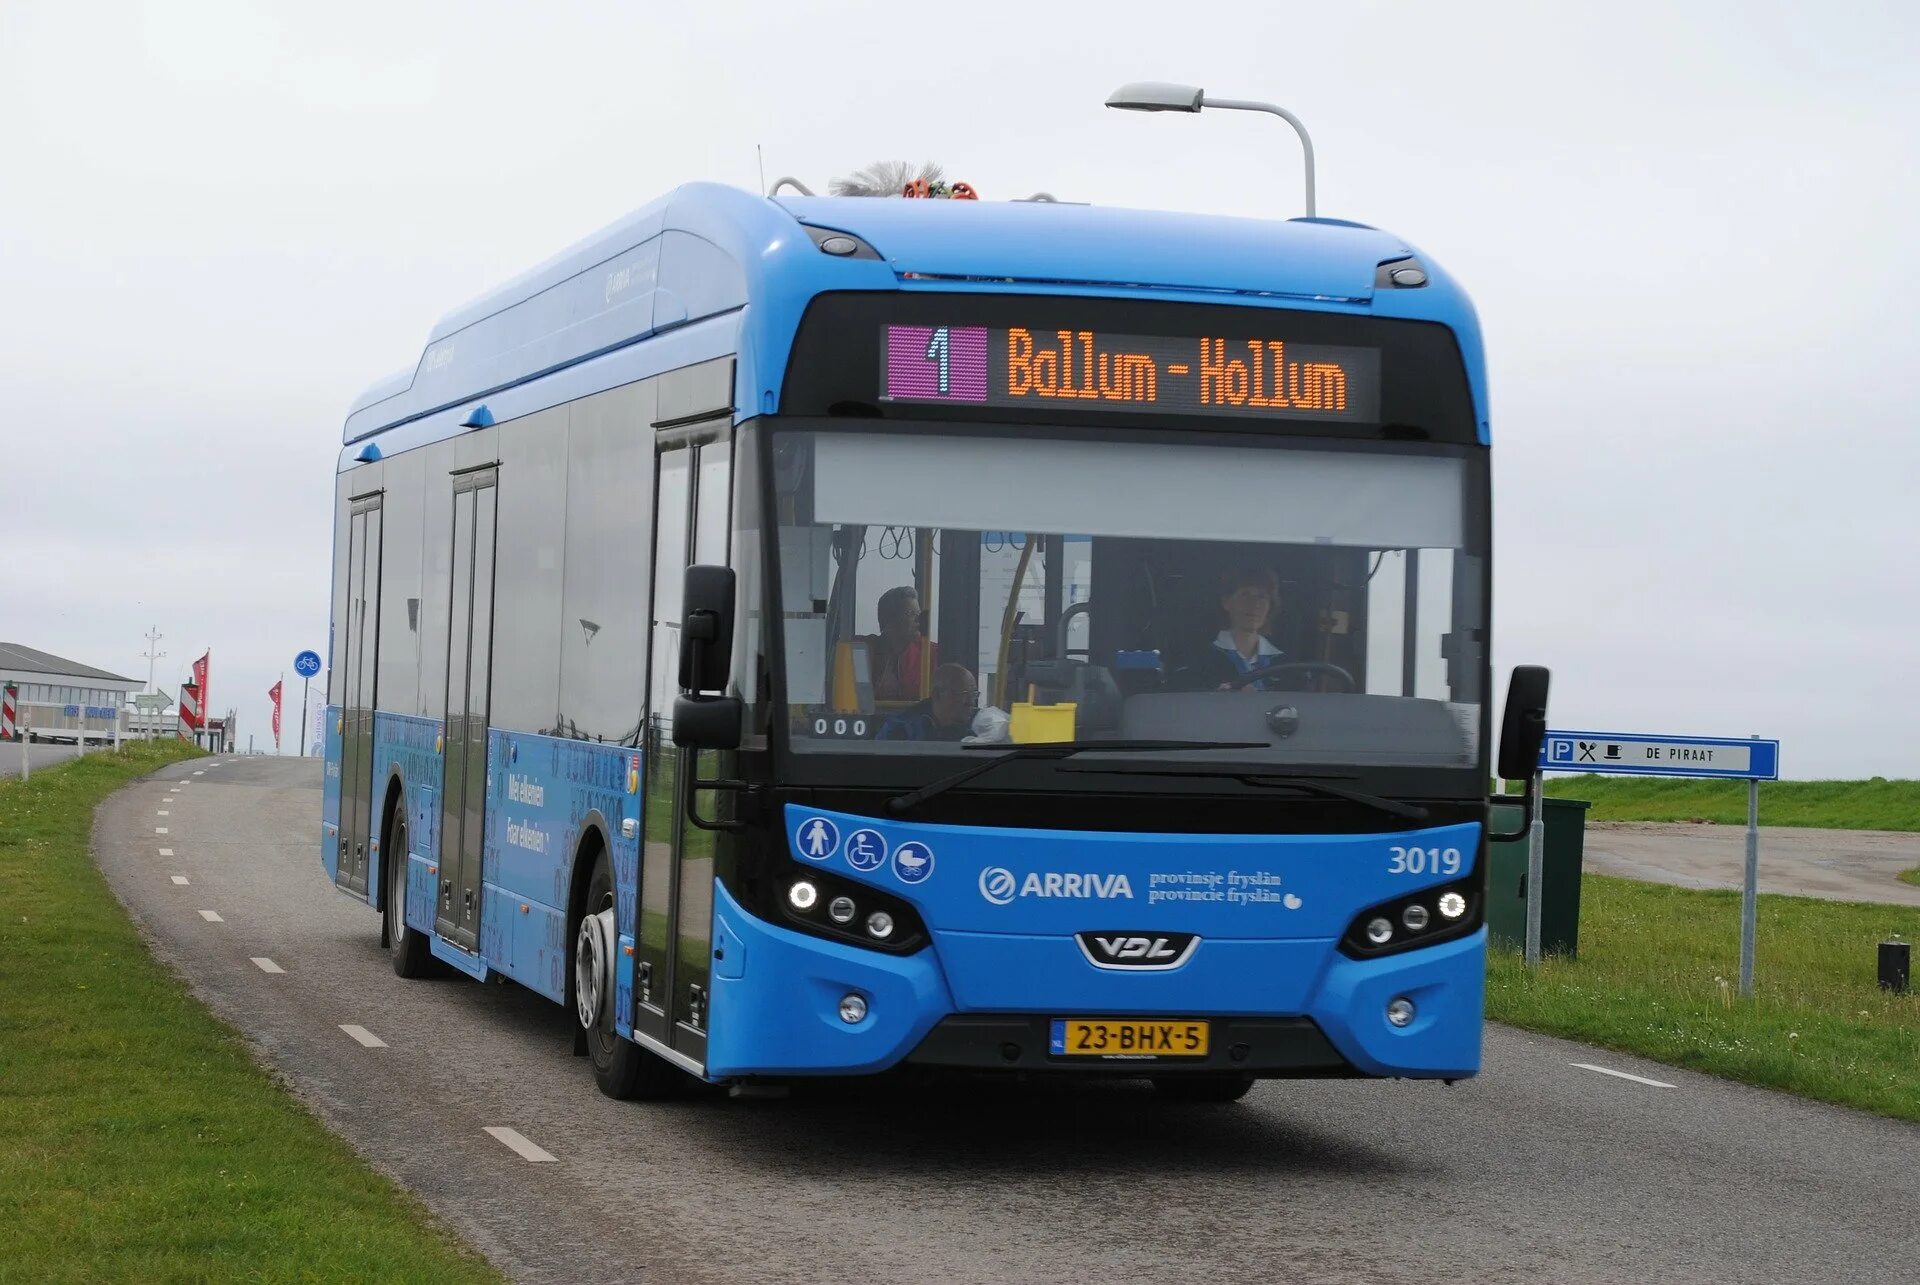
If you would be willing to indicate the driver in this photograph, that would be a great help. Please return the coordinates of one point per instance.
(1248, 597)
(947, 715)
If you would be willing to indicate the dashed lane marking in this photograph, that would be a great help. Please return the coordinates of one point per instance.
(199, 773)
(526, 1150)
(1637, 1079)
(266, 965)
(365, 1038)
(179, 879)
(163, 812)
(212, 916)
(166, 852)
(159, 829)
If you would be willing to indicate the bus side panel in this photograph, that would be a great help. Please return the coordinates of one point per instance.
(405, 743)
(330, 794)
(544, 793)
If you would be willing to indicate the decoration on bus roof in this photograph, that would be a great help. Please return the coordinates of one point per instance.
(903, 178)
(1261, 375)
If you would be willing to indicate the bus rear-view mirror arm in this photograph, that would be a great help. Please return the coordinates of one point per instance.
(1522, 731)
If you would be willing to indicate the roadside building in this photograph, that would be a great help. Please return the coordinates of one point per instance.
(59, 699)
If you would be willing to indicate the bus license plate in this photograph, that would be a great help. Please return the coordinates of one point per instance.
(1120, 1038)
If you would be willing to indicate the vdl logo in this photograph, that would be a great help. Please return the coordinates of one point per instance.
(998, 885)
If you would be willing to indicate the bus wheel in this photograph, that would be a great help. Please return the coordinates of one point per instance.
(621, 1068)
(408, 948)
(1203, 1088)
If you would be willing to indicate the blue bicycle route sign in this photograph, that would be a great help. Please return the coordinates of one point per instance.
(1649, 754)
(307, 664)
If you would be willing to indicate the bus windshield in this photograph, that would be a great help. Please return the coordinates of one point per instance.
(947, 590)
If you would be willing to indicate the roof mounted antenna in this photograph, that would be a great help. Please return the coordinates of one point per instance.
(788, 180)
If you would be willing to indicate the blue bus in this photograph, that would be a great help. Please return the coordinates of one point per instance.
(825, 636)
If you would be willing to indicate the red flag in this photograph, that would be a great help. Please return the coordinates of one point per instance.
(200, 676)
(274, 692)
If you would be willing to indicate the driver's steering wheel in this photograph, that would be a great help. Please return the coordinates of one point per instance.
(1347, 684)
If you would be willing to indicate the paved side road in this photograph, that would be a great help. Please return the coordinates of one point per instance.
(1841, 865)
(1556, 1164)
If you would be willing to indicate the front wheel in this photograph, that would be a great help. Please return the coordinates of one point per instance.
(1202, 1088)
(408, 947)
(621, 1068)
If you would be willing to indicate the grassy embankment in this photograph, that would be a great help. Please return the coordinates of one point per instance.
(1657, 976)
(1878, 804)
(138, 1140)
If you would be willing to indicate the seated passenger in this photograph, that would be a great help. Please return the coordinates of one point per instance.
(1248, 597)
(947, 715)
(899, 650)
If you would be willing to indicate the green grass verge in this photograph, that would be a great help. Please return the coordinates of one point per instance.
(1910, 876)
(138, 1140)
(1657, 976)
(1878, 804)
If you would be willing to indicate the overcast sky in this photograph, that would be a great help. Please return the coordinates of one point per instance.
(1688, 230)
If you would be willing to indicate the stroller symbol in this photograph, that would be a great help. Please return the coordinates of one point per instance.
(912, 862)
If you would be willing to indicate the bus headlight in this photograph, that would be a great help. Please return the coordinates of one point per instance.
(880, 925)
(1380, 931)
(841, 910)
(1415, 917)
(1452, 905)
(802, 895)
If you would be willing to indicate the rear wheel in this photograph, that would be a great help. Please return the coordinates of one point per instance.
(407, 947)
(621, 1068)
(1203, 1088)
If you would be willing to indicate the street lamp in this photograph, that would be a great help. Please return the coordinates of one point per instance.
(1155, 96)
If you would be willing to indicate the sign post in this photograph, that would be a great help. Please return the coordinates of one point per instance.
(1643, 754)
(306, 664)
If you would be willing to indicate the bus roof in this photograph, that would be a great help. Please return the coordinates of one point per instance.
(706, 250)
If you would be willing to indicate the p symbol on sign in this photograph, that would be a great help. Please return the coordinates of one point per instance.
(1560, 750)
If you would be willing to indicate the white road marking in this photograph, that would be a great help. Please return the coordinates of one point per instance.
(163, 812)
(179, 879)
(1637, 1079)
(366, 1038)
(159, 829)
(166, 852)
(525, 1149)
(199, 773)
(266, 965)
(212, 916)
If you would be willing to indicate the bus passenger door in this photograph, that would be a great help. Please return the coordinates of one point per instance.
(356, 712)
(463, 792)
(671, 984)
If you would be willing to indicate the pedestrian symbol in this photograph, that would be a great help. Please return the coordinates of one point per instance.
(866, 850)
(819, 838)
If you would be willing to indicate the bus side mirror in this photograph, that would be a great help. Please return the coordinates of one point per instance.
(707, 722)
(706, 629)
(1524, 728)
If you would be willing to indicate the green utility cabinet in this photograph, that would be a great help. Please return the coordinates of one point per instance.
(1561, 861)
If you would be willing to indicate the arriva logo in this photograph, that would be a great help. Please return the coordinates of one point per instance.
(1000, 885)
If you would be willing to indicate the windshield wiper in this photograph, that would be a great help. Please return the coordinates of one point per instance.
(1274, 781)
(1053, 750)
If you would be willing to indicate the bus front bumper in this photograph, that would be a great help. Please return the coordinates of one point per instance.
(777, 1012)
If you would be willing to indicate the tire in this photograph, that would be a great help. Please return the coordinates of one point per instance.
(1202, 1088)
(408, 947)
(621, 1068)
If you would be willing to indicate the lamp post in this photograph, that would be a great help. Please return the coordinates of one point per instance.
(1155, 96)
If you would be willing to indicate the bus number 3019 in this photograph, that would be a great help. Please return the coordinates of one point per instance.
(1419, 861)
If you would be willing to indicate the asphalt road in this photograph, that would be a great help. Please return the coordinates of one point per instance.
(1539, 1170)
(1844, 865)
(12, 754)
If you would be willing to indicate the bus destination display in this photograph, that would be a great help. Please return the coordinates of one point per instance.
(1177, 375)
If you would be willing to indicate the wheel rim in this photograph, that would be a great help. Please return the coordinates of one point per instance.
(592, 970)
(397, 888)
